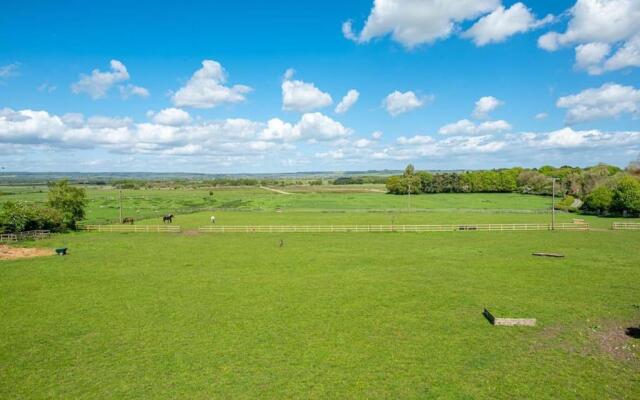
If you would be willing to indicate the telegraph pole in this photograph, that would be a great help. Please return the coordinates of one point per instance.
(409, 200)
(553, 204)
(120, 196)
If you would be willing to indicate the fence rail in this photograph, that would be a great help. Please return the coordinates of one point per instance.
(386, 228)
(8, 237)
(625, 226)
(27, 235)
(131, 228)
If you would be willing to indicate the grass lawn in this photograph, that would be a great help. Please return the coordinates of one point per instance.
(103, 204)
(326, 316)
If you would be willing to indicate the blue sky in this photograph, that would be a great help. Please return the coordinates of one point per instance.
(551, 82)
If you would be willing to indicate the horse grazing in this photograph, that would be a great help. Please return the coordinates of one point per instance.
(213, 219)
(127, 220)
(168, 217)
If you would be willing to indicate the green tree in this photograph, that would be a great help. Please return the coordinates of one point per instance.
(626, 196)
(599, 200)
(20, 216)
(69, 200)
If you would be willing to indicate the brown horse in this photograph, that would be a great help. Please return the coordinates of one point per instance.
(127, 220)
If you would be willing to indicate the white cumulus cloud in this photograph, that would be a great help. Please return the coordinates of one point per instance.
(98, 83)
(172, 117)
(206, 88)
(347, 101)
(485, 105)
(597, 28)
(302, 96)
(397, 103)
(608, 101)
(129, 90)
(416, 22)
(464, 127)
(504, 22)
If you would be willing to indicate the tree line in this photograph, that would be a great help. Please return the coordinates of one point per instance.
(64, 208)
(601, 189)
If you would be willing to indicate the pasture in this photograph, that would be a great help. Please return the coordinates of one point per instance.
(379, 315)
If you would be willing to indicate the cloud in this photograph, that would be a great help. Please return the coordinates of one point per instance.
(347, 101)
(9, 70)
(518, 148)
(397, 103)
(608, 101)
(418, 139)
(172, 132)
(376, 135)
(311, 126)
(503, 23)
(415, 22)
(363, 143)
(485, 105)
(597, 28)
(129, 90)
(347, 31)
(302, 96)
(541, 116)
(206, 88)
(464, 127)
(47, 88)
(98, 83)
(320, 127)
(172, 117)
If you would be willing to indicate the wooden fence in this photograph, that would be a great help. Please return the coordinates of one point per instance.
(8, 237)
(386, 228)
(131, 228)
(625, 226)
(27, 235)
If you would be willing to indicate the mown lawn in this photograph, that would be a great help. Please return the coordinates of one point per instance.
(424, 217)
(326, 316)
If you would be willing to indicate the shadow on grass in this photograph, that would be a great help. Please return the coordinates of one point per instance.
(633, 332)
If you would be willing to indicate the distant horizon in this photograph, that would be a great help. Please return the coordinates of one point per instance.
(308, 172)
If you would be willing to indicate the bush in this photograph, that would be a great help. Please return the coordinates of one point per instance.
(626, 196)
(599, 200)
(565, 204)
(20, 216)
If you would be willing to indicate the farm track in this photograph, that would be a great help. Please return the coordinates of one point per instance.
(274, 190)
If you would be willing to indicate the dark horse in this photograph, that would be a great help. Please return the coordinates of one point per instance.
(168, 217)
(127, 220)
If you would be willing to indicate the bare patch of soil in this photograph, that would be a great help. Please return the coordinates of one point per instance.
(616, 341)
(190, 232)
(14, 253)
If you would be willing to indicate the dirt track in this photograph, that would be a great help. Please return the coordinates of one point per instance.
(14, 253)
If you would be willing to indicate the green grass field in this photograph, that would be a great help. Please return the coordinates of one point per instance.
(379, 315)
(142, 204)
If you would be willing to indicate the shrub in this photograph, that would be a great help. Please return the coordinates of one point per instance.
(626, 196)
(565, 204)
(599, 200)
(20, 216)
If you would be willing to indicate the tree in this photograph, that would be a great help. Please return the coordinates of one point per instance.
(599, 200)
(408, 182)
(409, 170)
(69, 200)
(626, 196)
(21, 216)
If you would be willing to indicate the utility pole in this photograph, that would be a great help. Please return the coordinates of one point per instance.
(409, 200)
(553, 204)
(120, 196)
